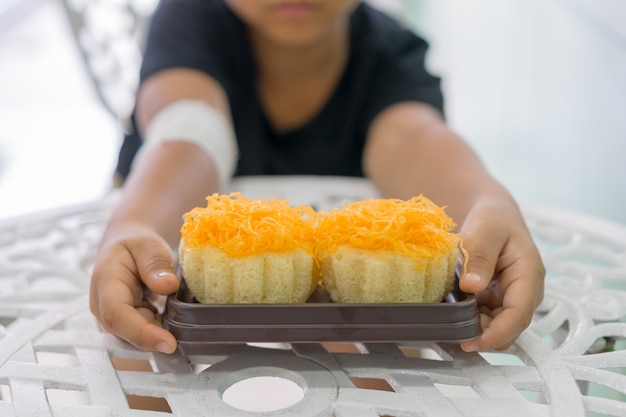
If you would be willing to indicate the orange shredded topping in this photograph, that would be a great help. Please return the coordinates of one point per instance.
(416, 228)
(241, 227)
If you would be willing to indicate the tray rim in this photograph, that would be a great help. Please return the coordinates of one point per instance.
(465, 325)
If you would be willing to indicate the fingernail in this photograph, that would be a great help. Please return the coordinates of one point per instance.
(163, 274)
(471, 347)
(471, 276)
(163, 347)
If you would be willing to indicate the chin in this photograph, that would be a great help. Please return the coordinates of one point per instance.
(295, 35)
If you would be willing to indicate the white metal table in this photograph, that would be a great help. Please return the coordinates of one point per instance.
(54, 360)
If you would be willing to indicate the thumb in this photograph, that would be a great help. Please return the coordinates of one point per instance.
(482, 249)
(155, 264)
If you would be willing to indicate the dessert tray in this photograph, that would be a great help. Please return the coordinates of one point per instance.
(454, 319)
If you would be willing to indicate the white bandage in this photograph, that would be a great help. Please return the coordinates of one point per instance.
(196, 122)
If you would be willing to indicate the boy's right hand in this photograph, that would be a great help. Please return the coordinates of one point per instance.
(127, 263)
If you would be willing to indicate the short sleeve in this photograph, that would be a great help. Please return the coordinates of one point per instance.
(399, 65)
(192, 34)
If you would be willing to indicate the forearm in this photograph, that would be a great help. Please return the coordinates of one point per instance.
(174, 177)
(412, 152)
(165, 184)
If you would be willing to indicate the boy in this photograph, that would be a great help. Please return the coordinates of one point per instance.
(288, 87)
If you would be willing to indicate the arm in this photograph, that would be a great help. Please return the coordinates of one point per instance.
(410, 151)
(136, 248)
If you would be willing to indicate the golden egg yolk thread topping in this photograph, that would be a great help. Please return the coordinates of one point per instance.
(240, 226)
(416, 228)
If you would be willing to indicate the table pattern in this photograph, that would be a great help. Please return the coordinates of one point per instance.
(110, 37)
(54, 360)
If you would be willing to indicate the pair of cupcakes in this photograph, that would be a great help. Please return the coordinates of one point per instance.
(240, 250)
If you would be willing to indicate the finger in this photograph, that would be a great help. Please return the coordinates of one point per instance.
(472, 345)
(123, 313)
(510, 320)
(154, 262)
(141, 328)
(148, 305)
(501, 331)
(522, 288)
(483, 246)
(120, 307)
(117, 276)
(491, 297)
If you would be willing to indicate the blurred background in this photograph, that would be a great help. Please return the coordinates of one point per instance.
(537, 87)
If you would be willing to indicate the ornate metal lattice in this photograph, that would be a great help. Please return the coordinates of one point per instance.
(110, 36)
(54, 360)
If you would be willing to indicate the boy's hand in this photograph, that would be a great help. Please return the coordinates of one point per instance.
(505, 271)
(126, 264)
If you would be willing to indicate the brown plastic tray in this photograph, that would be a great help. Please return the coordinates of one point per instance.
(320, 320)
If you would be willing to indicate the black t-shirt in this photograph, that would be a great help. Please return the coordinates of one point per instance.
(385, 66)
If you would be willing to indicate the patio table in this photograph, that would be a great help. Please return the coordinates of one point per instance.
(55, 360)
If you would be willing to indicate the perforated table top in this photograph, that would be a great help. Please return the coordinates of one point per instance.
(54, 360)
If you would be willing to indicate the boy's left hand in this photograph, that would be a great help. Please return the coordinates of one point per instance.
(504, 270)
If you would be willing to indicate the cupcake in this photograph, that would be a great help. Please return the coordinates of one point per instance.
(239, 250)
(387, 251)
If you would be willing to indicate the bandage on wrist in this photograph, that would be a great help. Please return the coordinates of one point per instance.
(196, 122)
